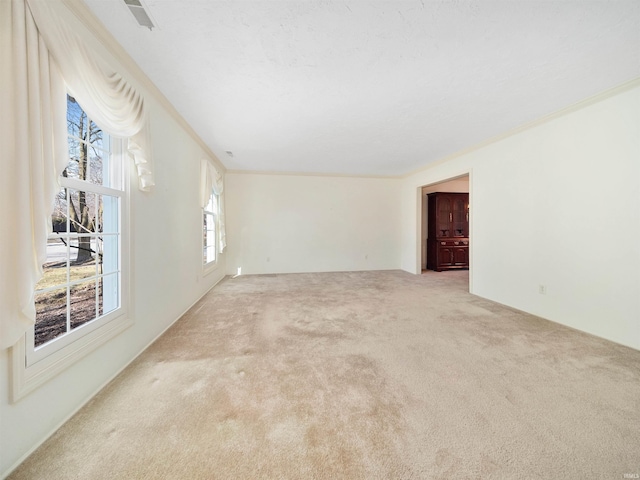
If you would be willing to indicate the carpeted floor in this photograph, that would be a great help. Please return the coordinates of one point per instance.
(366, 375)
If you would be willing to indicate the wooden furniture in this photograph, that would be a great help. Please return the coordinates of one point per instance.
(448, 231)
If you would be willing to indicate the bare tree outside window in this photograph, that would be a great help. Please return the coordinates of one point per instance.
(83, 250)
(85, 163)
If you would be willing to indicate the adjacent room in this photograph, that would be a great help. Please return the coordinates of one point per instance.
(304, 239)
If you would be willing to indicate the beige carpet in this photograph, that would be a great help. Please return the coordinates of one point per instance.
(368, 375)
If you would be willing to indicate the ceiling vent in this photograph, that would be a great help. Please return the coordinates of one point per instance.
(139, 12)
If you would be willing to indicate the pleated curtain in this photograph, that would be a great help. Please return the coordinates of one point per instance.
(107, 98)
(42, 57)
(213, 180)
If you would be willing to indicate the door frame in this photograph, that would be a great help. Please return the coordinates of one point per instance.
(420, 227)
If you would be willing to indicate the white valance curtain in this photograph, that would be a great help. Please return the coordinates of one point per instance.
(40, 53)
(212, 179)
(109, 100)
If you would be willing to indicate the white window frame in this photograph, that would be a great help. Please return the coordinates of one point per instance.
(32, 367)
(212, 264)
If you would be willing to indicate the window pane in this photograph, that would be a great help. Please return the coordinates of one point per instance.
(99, 157)
(83, 303)
(88, 147)
(209, 223)
(83, 270)
(107, 210)
(212, 205)
(85, 161)
(108, 298)
(108, 254)
(51, 315)
(99, 142)
(209, 235)
(96, 171)
(55, 267)
(75, 117)
(82, 250)
(210, 238)
(59, 215)
(209, 254)
(83, 210)
(89, 162)
(74, 159)
(86, 240)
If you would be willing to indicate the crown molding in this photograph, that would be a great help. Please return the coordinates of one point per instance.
(314, 174)
(82, 12)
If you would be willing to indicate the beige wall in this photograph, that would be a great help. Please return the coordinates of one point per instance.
(297, 223)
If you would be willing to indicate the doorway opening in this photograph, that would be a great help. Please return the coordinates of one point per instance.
(460, 247)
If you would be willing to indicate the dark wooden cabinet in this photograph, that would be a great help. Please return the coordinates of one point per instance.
(447, 231)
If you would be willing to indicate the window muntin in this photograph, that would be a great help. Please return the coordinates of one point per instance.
(82, 280)
(210, 230)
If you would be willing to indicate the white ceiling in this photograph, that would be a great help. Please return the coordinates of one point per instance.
(372, 87)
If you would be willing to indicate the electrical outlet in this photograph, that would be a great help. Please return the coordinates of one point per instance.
(542, 289)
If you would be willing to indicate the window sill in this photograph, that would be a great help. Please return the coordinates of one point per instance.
(26, 379)
(209, 268)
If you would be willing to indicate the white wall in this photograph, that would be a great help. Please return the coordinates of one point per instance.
(296, 223)
(166, 278)
(557, 205)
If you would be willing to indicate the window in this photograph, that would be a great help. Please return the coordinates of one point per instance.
(82, 285)
(210, 230)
